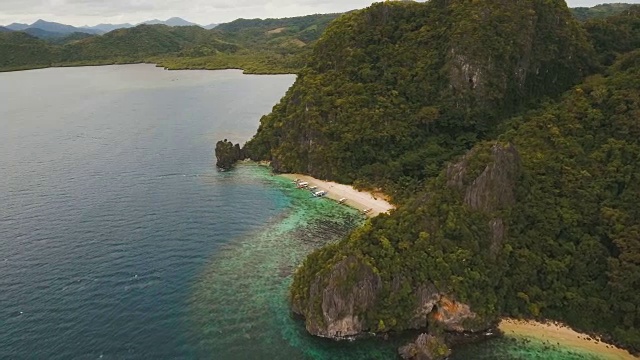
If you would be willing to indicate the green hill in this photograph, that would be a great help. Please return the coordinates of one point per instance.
(143, 41)
(254, 45)
(616, 34)
(394, 91)
(287, 32)
(599, 11)
(20, 50)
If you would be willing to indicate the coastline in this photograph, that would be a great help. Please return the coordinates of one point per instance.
(360, 200)
(557, 333)
(157, 64)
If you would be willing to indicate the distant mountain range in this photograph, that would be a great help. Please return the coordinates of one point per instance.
(105, 28)
(47, 30)
(174, 21)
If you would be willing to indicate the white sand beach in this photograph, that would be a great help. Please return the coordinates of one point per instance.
(360, 200)
(556, 333)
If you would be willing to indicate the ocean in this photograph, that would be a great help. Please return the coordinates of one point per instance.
(120, 240)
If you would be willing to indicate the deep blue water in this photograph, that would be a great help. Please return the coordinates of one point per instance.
(110, 206)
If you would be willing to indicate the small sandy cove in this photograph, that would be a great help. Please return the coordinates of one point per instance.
(556, 333)
(360, 200)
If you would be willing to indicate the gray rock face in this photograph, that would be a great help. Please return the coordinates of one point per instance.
(351, 289)
(493, 189)
(428, 296)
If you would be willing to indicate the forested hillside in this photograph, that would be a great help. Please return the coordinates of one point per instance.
(257, 46)
(287, 35)
(394, 91)
(145, 41)
(22, 51)
(508, 134)
(615, 35)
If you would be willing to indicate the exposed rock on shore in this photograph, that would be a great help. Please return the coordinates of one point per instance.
(426, 347)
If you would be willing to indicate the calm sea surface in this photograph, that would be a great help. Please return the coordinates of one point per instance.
(119, 239)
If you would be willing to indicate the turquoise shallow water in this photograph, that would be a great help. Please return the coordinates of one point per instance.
(118, 239)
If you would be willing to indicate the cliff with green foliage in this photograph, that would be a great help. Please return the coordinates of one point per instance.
(227, 154)
(516, 173)
(394, 91)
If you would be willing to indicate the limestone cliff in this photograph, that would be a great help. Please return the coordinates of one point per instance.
(339, 304)
(344, 296)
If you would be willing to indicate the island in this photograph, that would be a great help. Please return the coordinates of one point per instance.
(506, 135)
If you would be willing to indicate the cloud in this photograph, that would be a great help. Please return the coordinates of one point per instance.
(80, 12)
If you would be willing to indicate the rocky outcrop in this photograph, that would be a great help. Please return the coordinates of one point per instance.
(228, 154)
(426, 347)
(343, 296)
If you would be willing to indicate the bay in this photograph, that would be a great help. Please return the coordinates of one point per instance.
(111, 206)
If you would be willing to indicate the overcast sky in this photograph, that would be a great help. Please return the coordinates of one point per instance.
(92, 12)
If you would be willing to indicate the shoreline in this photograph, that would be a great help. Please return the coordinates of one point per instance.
(359, 200)
(557, 333)
(156, 64)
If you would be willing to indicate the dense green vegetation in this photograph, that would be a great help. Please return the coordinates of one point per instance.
(616, 34)
(23, 51)
(276, 33)
(538, 219)
(599, 11)
(256, 46)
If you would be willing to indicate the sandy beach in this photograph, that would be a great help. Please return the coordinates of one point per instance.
(360, 200)
(556, 333)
